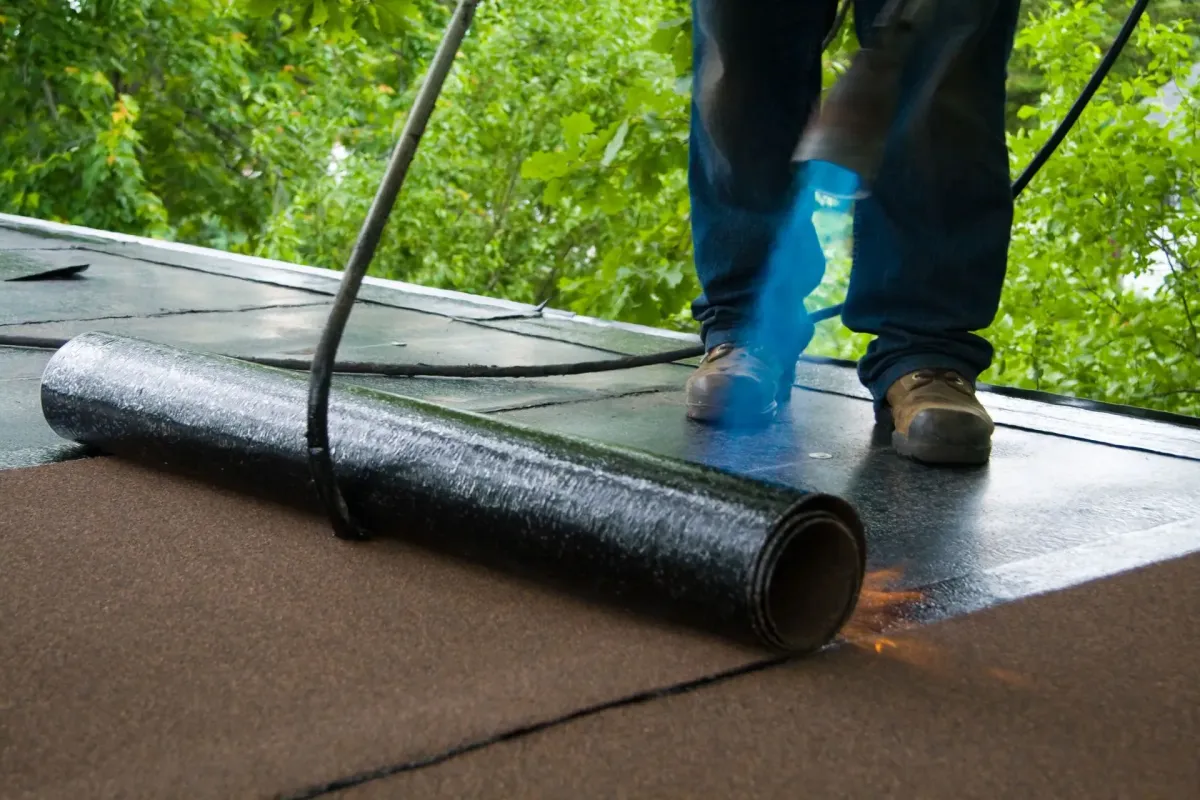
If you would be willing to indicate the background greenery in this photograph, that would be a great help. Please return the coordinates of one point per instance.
(554, 168)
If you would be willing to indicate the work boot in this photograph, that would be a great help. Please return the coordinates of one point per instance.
(737, 386)
(937, 419)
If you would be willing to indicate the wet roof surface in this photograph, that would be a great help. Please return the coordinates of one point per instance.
(1063, 480)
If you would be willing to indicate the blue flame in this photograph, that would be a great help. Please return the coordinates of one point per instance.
(839, 186)
(795, 265)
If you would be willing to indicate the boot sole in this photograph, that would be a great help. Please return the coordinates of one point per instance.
(715, 415)
(934, 453)
(941, 453)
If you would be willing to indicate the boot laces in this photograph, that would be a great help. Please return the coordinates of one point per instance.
(924, 377)
(738, 351)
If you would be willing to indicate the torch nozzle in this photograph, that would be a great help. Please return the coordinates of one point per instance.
(851, 128)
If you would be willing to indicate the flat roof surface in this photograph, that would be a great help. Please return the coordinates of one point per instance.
(1075, 492)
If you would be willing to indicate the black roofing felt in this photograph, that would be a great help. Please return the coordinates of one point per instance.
(1064, 481)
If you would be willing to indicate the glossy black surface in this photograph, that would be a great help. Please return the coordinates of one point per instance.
(20, 364)
(594, 333)
(1038, 495)
(21, 410)
(1058, 570)
(684, 541)
(1065, 417)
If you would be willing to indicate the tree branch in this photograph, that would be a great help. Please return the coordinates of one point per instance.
(548, 289)
(1177, 288)
(221, 132)
(48, 91)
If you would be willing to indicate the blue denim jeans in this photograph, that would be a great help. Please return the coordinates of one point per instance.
(931, 240)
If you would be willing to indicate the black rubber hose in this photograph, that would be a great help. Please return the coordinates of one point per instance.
(423, 370)
(486, 371)
(323, 362)
(1085, 97)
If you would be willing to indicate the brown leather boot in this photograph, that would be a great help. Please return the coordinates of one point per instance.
(937, 419)
(730, 374)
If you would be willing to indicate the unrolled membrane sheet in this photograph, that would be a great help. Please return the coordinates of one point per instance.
(753, 561)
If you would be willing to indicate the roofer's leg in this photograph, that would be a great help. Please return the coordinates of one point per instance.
(757, 66)
(932, 248)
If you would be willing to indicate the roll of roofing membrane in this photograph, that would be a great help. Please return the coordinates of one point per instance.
(758, 562)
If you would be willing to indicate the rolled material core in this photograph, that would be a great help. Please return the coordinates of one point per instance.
(812, 574)
(759, 562)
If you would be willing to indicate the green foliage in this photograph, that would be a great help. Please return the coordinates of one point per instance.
(1103, 294)
(525, 185)
(180, 119)
(555, 165)
(374, 20)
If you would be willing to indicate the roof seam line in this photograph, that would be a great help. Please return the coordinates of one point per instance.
(637, 698)
(159, 314)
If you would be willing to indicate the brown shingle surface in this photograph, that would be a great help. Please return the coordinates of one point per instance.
(164, 639)
(1089, 693)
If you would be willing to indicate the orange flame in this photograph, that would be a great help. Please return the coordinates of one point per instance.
(880, 608)
(883, 610)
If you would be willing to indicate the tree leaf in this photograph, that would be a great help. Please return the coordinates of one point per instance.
(319, 13)
(575, 127)
(615, 144)
(544, 166)
(663, 40)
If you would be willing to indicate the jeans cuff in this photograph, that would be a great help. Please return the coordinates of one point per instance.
(719, 336)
